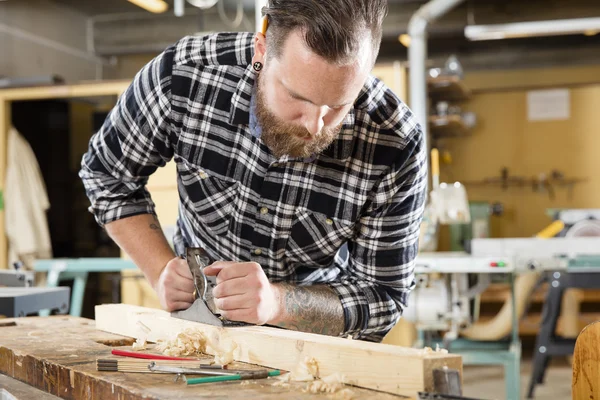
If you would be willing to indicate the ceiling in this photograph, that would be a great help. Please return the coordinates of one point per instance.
(99, 7)
(144, 32)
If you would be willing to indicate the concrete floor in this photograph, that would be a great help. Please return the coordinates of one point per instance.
(487, 383)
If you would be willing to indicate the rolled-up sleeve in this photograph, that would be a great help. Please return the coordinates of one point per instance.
(380, 270)
(133, 142)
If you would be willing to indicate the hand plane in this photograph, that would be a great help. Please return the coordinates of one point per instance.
(203, 308)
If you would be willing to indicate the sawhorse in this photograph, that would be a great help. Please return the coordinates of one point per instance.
(547, 343)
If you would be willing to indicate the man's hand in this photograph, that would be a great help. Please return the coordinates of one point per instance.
(244, 293)
(175, 286)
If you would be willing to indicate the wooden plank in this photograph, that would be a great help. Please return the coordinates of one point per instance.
(5, 123)
(58, 355)
(387, 368)
(586, 364)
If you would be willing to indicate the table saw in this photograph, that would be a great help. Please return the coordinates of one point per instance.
(18, 297)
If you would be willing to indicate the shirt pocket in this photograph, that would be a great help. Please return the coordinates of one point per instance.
(315, 238)
(210, 199)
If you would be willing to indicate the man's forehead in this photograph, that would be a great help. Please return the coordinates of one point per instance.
(295, 49)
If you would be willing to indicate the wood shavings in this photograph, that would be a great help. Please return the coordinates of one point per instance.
(429, 350)
(329, 384)
(344, 394)
(190, 342)
(307, 370)
(194, 342)
(282, 382)
(223, 352)
(139, 344)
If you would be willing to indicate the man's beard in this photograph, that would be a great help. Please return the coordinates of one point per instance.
(284, 138)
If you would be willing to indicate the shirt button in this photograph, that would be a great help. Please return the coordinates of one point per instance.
(329, 221)
(274, 165)
(258, 252)
(264, 210)
(202, 175)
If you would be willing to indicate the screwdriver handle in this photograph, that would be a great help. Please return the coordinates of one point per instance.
(211, 379)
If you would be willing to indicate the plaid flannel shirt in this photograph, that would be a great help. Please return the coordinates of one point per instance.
(192, 104)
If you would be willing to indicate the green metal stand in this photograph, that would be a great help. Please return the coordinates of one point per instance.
(77, 269)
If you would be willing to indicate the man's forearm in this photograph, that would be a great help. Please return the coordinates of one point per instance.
(142, 238)
(315, 309)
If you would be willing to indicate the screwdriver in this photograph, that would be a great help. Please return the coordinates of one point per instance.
(261, 374)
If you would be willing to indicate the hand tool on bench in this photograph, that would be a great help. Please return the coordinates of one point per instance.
(242, 375)
(148, 356)
(116, 365)
(203, 308)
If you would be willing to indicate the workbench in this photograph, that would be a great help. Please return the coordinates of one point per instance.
(57, 355)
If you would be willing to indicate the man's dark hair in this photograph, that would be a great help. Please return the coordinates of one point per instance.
(332, 29)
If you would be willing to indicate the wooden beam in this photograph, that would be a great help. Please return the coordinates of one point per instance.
(5, 123)
(387, 368)
(91, 89)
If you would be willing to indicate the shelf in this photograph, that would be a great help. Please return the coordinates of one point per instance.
(448, 126)
(448, 87)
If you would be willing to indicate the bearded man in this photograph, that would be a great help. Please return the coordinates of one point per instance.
(287, 150)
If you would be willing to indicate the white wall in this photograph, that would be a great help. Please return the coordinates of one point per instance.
(20, 57)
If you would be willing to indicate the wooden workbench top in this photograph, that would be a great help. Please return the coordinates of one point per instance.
(58, 355)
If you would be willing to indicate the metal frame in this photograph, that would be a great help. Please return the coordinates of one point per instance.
(77, 270)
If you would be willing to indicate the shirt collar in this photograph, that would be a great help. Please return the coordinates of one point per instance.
(239, 113)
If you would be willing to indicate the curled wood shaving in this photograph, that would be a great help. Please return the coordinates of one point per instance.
(139, 344)
(223, 352)
(307, 370)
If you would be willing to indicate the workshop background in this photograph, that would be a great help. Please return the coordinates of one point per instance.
(512, 118)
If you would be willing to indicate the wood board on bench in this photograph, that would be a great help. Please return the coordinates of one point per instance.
(387, 368)
(58, 356)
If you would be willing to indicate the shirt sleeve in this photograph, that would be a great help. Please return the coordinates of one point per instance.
(133, 142)
(380, 271)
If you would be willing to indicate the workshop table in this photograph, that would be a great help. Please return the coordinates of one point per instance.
(57, 355)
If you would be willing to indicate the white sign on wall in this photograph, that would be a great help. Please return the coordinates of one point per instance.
(548, 105)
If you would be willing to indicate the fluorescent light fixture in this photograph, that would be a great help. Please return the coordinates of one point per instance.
(532, 29)
(154, 6)
(404, 39)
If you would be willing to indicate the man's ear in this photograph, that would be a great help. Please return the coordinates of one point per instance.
(260, 48)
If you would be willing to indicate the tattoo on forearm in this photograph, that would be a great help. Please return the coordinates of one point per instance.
(155, 225)
(315, 309)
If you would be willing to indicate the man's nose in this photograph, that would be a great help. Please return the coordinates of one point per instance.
(313, 120)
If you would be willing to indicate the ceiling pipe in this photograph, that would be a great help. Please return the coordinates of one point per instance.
(258, 5)
(417, 56)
